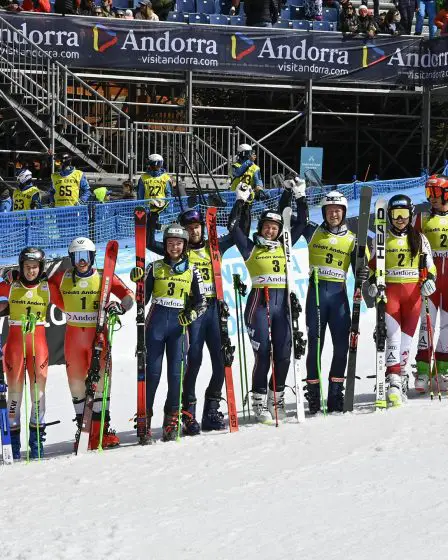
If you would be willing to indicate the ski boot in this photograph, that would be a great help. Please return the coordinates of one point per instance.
(110, 438)
(212, 417)
(421, 377)
(335, 400)
(404, 385)
(394, 389)
(170, 426)
(260, 408)
(15, 444)
(36, 450)
(278, 399)
(190, 426)
(312, 395)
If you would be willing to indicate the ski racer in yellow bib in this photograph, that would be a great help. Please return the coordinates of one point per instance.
(245, 170)
(405, 287)
(205, 330)
(265, 261)
(434, 225)
(69, 185)
(178, 300)
(331, 251)
(155, 184)
(26, 196)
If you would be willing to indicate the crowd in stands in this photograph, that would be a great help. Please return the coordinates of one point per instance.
(335, 14)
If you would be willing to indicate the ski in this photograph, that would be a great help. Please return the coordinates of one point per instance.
(294, 309)
(140, 250)
(361, 243)
(93, 375)
(380, 329)
(4, 420)
(226, 347)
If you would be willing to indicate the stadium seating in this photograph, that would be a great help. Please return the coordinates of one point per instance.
(186, 6)
(178, 17)
(303, 25)
(283, 24)
(218, 19)
(237, 20)
(205, 6)
(330, 14)
(322, 26)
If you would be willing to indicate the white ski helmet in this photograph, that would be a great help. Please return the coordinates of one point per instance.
(244, 150)
(82, 248)
(155, 160)
(334, 197)
(25, 176)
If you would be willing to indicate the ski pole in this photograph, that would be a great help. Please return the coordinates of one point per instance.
(25, 331)
(111, 322)
(32, 326)
(181, 388)
(319, 373)
(240, 290)
(242, 293)
(271, 351)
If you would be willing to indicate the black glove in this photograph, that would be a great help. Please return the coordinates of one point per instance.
(115, 308)
(261, 194)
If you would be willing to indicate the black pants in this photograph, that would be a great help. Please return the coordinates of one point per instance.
(407, 15)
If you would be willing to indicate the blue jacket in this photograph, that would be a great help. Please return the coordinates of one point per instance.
(141, 188)
(84, 187)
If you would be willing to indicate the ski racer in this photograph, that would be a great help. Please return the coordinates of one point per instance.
(245, 170)
(69, 185)
(155, 184)
(205, 329)
(169, 282)
(434, 225)
(28, 294)
(331, 251)
(26, 196)
(265, 262)
(404, 290)
(79, 288)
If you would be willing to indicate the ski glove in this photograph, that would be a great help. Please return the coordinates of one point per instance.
(261, 194)
(373, 290)
(363, 273)
(187, 316)
(137, 274)
(428, 287)
(297, 186)
(243, 192)
(114, 307)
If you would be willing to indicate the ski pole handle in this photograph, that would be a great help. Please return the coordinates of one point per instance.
(423, 268)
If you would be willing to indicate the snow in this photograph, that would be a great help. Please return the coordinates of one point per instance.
(362, 485)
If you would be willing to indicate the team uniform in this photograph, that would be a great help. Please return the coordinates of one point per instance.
(155, 184)
(69, 185)
(404, 290)
(244, 170)
(168, 285)
(80, 296)
(205, 330)
(26, 299)
(27, 195)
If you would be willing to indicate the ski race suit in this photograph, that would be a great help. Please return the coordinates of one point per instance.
(80, 295)
(434, 226)
(404, 300)
(26, 298)
(206, 328)
(266, 267)
(331, 254)
(169, 289)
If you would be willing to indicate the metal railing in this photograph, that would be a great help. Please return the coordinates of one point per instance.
(75, 116)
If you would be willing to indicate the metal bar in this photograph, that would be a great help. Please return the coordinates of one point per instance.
(309, 112)
(281, 127)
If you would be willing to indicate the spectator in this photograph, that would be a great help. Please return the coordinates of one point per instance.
(333, 4)
(26, 196)
(392, 25)
(367, 24)
(100, 194)
(106, 8)
(42, 6)
(146, 11)
(119, 14)
(349, 20)
(313, 9)
(5, 199)
(260, 13)
(97, 11)
(441, 21)
(86, 8)
(65, 7)
(127, 191)
(427, 7)
(69, 186)
(129, 14)
(407, 9)
(381, 19)
(162, 8)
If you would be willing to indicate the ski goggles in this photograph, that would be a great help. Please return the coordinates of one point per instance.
(397, 213)
(191, 217)
(435, 192)
(81, 256)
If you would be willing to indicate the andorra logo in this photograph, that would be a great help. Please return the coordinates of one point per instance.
(373, 53)
(103, 38)
(246, 41)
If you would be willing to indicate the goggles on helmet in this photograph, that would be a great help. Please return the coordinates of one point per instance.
(79, 256)
(397, 213)
(436, 192)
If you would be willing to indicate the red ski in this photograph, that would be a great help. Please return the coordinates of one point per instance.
(226, 347)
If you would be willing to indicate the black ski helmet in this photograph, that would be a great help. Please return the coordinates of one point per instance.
(400, 201)
(31, 254)
(270, 216)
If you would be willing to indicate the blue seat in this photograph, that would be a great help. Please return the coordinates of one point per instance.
(186, 6)
(180, 17)
(302, 24)
(283, 24)
(121, 4)
(296, 12)
(205, 6)
(195, 18)
(330, 14)
(223, 6)
(237, 20)
(321, 26)
(297, 3)
(218, 19)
